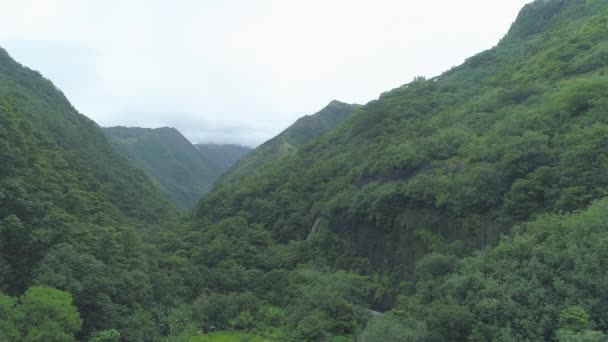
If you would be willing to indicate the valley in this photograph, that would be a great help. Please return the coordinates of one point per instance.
(470, 206)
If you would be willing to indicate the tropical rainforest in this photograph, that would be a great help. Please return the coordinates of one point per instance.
(222, 156)
(290, 140)
(472, 206)
(180, 170)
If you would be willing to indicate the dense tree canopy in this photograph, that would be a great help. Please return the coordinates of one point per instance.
(544, 283)
(182, 171)
(466, 207)
(304, 130)
(513, 132)
(41, 314)
(71, 211)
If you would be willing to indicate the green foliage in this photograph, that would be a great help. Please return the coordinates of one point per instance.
(111, 335)
(220, 336)
(139, 326)
(222, 157)
(41, 314)
(330, 298)
(449, 323)
(222, 312)
(387, 329)
(586, 336)
(289, 141)
(512, 133)
(543, 283)
(434, 265)
(71, 213)
(574, 318)
(447, 166)
(8, 319)
(512, 143)
(312, 328)
(179, 169)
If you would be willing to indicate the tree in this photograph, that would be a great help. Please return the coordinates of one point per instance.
(111, 335)
(449, 323)
(8, 319)
(390, 328)
(46, 314)
(312, 328)
(575, 324)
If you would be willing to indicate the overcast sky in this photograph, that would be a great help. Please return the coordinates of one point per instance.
(240, 71)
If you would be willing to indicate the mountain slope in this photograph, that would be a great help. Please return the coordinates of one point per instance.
(290, 140)
(71, 210)
(408, 198)
(541, 284)
(450, 163)
(59, 125)
(222, 157)
(169, 159)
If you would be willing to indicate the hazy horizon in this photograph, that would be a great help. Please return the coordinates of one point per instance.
(235, 72)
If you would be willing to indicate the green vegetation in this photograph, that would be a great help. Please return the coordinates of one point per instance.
(541, 284)
(443, 167)
(169, 159)
(223, 336)
(71, 215)
(468, 207)
(182, 171)
(222, 157)
(450, 163)
(290, 140)
(42, 314)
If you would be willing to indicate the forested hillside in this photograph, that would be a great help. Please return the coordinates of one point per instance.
(71, 217)
(444, 167)
(222, 156)
(169, 159)
(515, 131)
(467, 207)
(290, 140)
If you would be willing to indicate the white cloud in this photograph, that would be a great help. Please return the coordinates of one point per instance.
(241, 71)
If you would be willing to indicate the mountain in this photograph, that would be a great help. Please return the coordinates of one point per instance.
(222, 156)
(455, 157)
(169, 159)
(290, 140)
(467, 207)
(72, 217)
(439, 169)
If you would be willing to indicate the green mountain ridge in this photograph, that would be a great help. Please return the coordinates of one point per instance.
(64, 128)
(184, 172)
(301, 132)
(72, 216)
(447, 166)
(467, 207)
(222, 156)
(494, 127)
(169, 159)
